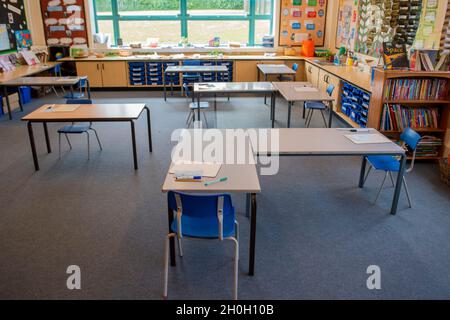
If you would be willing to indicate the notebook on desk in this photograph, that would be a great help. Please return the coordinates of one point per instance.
(367, 138)
(61, 108)
(208, 169)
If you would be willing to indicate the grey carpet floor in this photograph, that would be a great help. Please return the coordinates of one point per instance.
(316, 235)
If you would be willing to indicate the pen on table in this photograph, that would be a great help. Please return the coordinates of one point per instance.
(216, 181)
(188, 178)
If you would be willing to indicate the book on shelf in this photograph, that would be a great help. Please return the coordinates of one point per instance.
(428, 146)
(397, 117)
(429, 60)
(416, 89)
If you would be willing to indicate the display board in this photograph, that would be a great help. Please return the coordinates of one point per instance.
(347, 27)
(64, 22)
(431, 24)
(12, 14)
(300, 19)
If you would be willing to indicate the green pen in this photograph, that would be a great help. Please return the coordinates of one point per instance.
(216, 181)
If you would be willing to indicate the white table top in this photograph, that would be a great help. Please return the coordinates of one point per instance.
(275, 69)
(174, 69)
(234, 87)
(291, 92)
(322, 141)
(43, 81)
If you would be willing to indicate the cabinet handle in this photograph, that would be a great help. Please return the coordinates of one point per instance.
(103, 66)
(98, 67)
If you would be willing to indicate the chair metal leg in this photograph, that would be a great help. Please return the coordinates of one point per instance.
(166, 264)
(236, 230)
(55, 91)
(98, 140)
(307, 116)
(310, 118)
(407, 192)
(367, 174)
(88, 145)
(68, 141)
(59, 143)
(180, 248)
(392, 179)
(190, 119)
(381, 188)
(323, 117)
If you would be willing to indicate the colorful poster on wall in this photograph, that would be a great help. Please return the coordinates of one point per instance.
(23, 39)
(301, 19)
(12, 14)
(347, 27)
(64, 22)
(432, 19)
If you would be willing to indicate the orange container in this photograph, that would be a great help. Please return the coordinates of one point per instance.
(308, 48)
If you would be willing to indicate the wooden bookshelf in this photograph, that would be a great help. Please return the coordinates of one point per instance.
(378, 101)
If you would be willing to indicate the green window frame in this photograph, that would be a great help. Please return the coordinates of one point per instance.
(184, 17)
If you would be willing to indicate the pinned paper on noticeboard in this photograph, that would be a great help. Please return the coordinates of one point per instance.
(301, 19)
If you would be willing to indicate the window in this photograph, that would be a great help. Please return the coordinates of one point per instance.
(244, 21)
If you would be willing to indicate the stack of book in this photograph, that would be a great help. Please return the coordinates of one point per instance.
(429, 146)
(398, 117)
(416, 89)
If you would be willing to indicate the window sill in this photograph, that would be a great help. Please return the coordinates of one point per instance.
(190, 49)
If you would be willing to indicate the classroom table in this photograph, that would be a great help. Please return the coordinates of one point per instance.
(333, 142)
(290, 91)
(42, 82)
(87, 113)
(215, 88)
(274, 70)
(194, 69)
(20, 72)
(242, 178)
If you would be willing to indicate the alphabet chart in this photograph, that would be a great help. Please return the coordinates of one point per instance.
(300, 19)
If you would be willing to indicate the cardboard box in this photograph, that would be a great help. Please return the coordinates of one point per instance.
(12, 99)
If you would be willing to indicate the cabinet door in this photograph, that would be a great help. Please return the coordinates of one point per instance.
(114, 74)
(246, 71)
(312, 74)
(337, 91)
(93, 71)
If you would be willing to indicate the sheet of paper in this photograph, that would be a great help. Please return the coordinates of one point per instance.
(61, 108)
(305, 89)
(210, 170)
(367, 138)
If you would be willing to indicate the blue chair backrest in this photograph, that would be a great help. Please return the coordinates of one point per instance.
(295, 67)
(200, 206)
(78, 101)
(186, 89)
(57, 69)
(330, 89)
(410, 137)
(191, 62)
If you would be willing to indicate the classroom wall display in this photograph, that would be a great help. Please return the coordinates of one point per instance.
(347, 28)
(300, 19)
(431, 21)
(64, 22)
(374, 26)
(12, 14)
(23, 39)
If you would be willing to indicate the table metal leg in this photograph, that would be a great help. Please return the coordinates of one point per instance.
(215, 109)
(363, 172)
(330, 119)
(88, 86)
(198, 106)
(165, 88)
(149, 129)
(171, 85)
(47, 139)
(8, 104)
(289, 114)
(265, 95)
(172, 240)
(251, 263)
(33, 146)
(398, 185)
(133, 141)
(304, 110)
(20, 99)
(248, 204)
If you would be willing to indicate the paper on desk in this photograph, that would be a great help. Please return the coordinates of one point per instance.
(209, 169)
(305, 89)
(367, 138)
(61, 108)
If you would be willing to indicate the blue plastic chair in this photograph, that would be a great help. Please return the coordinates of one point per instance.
(82, 86)
(193, 106)
(202, 217)
(192, 76)
(289, 78)
(77, 129)
(390, 164)
(317, 105)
